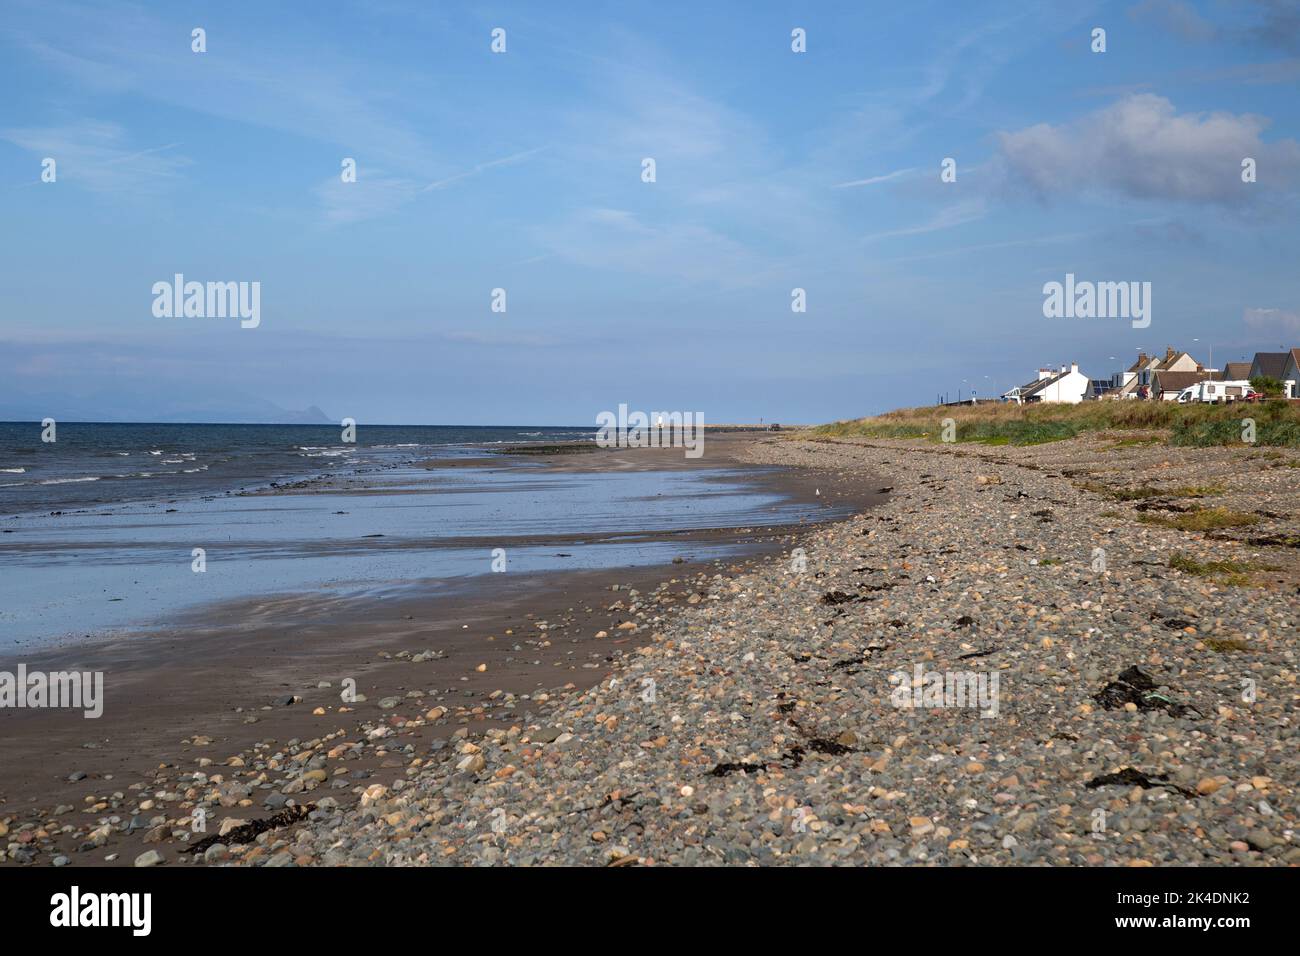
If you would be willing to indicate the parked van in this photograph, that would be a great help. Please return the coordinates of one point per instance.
(1217, 392)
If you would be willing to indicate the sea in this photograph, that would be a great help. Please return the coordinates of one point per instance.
(92, 463)
(125, 529)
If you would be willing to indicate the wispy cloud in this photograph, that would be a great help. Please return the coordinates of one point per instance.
(98, 156)
(282, 83)
(871, 181)
(990, 246)
(378, 192)
(375, 194)
(616, 240)
(948, 218)
(482, 168)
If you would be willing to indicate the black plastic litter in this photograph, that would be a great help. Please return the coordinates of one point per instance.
(1135, 686)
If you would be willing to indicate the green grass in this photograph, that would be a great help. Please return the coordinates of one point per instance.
(1226, 572)
(1271, 428)
(1276, 423)
(1201, 519)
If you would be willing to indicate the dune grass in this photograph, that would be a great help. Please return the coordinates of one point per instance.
(1276, 423)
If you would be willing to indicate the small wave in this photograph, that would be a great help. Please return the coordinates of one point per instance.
(14, 471)
(65, 481)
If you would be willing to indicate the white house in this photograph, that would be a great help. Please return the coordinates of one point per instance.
(1067, 385)
(1140, 378)
(1291, 374)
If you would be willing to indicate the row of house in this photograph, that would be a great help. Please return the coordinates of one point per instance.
(1156, 378)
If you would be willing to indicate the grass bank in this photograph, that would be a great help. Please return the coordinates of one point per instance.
(1275, 423)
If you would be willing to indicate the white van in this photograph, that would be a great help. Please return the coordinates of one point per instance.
(1217, 392)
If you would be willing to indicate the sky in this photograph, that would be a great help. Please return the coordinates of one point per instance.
(522, 170)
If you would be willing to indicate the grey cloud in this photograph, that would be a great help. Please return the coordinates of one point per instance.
(1268, 23)
(1176, 17)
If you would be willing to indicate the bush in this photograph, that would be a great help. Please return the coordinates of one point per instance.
(1267, 385)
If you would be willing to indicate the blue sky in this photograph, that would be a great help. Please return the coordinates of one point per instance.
(522, 171)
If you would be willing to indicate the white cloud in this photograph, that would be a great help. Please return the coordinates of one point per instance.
(1143, 148)
(1273, 321)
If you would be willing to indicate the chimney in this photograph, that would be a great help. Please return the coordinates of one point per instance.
(1142, 359)
(1062, 369)
(1074, 366)
(1169, 352)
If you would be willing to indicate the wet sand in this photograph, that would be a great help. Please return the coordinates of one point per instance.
(222, 679)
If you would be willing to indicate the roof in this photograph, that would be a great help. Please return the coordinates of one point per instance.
(1177, 381)
(1035, 386)
(1040, 384)
(1236, 371)
(1170, 359)
(1272, 364)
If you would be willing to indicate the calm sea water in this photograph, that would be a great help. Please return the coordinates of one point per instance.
(98, 530)
(94, 464)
